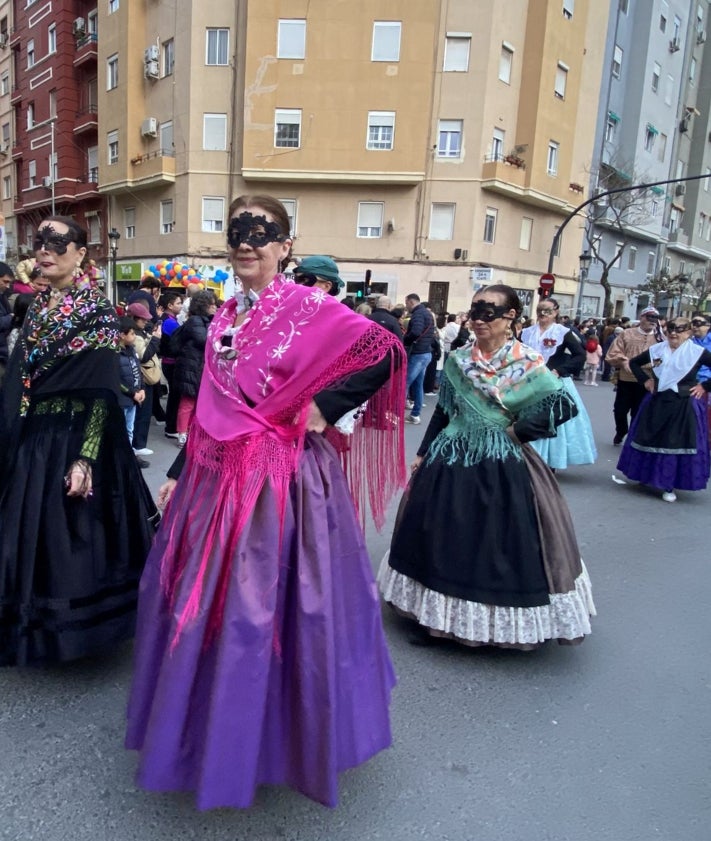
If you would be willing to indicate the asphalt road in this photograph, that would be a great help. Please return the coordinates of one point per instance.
(608, 741)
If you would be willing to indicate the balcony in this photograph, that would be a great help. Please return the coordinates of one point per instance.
(503, 176)
(15, 95)
(87, 50)
(86, 120)
(153, 169)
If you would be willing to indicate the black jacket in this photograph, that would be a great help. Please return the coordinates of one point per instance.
(143, 296)
(191, 356)
(130, 374)
(385, 319)
(5, 325)
(420, 331)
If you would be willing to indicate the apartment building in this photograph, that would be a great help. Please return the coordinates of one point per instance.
(8, 239)
(429, 147)
(653, 125)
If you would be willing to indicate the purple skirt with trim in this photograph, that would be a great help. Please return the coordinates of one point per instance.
(295, 687)
(668, 471)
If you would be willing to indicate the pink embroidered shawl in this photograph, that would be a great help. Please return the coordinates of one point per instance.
(250, 421)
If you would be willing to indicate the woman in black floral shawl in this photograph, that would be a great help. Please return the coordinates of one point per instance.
(76, 518)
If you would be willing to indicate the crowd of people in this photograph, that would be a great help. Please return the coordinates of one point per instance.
(289, 412)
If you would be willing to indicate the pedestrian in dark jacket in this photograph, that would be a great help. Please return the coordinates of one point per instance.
(146, 343)
(132, 393)
(190, 359)
(6, 278)
(147, 294)
(418, 341)
(381, 315)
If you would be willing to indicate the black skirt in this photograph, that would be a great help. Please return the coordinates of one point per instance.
(70, 567)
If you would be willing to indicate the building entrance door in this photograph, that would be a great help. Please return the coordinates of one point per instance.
(438, 296)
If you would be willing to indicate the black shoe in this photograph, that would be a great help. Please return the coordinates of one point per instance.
(618, 439)
(142, 463)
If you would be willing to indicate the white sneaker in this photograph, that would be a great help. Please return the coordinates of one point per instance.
(144, 451)
(409, 404)
(669, 496)
(412, 419)
(182, 439)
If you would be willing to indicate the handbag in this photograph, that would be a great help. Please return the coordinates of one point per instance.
(151, 371)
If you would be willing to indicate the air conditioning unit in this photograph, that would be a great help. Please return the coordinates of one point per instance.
(4, 149)
(701, 36)
(47, 181)
(680, 190)
(150, 53)
(674, 45)
(79, 26)
(4, 38)
(150, 70)
(149, 127)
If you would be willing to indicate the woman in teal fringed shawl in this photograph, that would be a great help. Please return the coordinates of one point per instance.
(484, 550)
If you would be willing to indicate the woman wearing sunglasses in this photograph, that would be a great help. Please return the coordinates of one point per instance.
(483, 550)
(74, 509)
(667, 446)
(565, 356)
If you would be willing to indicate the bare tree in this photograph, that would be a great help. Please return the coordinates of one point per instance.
(615, 214)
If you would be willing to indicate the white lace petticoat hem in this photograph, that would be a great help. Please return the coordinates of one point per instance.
(566, 617)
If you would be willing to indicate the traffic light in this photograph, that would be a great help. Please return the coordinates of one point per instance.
(544, 292)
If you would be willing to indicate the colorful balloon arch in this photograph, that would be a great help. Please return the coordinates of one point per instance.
(173, 273)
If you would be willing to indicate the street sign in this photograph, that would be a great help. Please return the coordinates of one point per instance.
(547, 281)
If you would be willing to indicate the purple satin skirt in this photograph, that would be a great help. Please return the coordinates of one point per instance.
(295, 686)
(669, 471)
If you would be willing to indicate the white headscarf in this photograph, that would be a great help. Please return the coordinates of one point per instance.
(670, 365)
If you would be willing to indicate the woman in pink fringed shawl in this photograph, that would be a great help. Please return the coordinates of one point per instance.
(260, 655)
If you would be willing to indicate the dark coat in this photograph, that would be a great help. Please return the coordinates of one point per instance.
(5, 325)
(130, 374)
(143, 296)
(420, 330)
(385, 319)
(191, 356)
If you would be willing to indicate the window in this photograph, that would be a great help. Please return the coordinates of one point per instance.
(113, 147)
(213, 215)
(611, 128)
(663, 16)
(666, 265)
(31, 53)
(165, 133)
(708, 229)
(617, 62)
(52, 39)
(692, 71)
(6, 134)
(291, 39)
(490, 225)
(662, 147)
(32, 173)
(217, 44)
(524, 242)
(93, 225)
(370, 219)
(506, 63)
(214, 132)
(654, 208)
(442, 221)
(381, 128)
(456, 53)
(568, 9)
(656, 74)
(631, 258)
(624, 5)
(707, 181)
(682, 267)
(167, 223)
(5, 84)
(702, 217)
(679, 169)
(561, 79)
(674, 219)
(552, 163)
(650, 135)
(290, 207)
(52, 104)
(497, 144)
(676, 31)
(651, 260)
(30, 114)
(669, 90)
(168, 57)
(113, 6)
(92, 159)
(112, 72)
(386, 40)
(53, 172)
(558, 241)
(7, 187)
(287, 128)
(129, 222)
(92, 20)
(449, 142)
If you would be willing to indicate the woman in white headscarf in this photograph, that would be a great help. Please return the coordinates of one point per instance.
(667, 446)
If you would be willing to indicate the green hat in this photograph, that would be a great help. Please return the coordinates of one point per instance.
(319, 266)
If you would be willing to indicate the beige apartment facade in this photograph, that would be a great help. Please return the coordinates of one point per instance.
(435, 145)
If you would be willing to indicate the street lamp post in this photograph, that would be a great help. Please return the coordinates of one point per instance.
(585, 259)
(114, 237)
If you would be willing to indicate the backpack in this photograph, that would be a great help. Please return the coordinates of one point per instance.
(591, 345)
